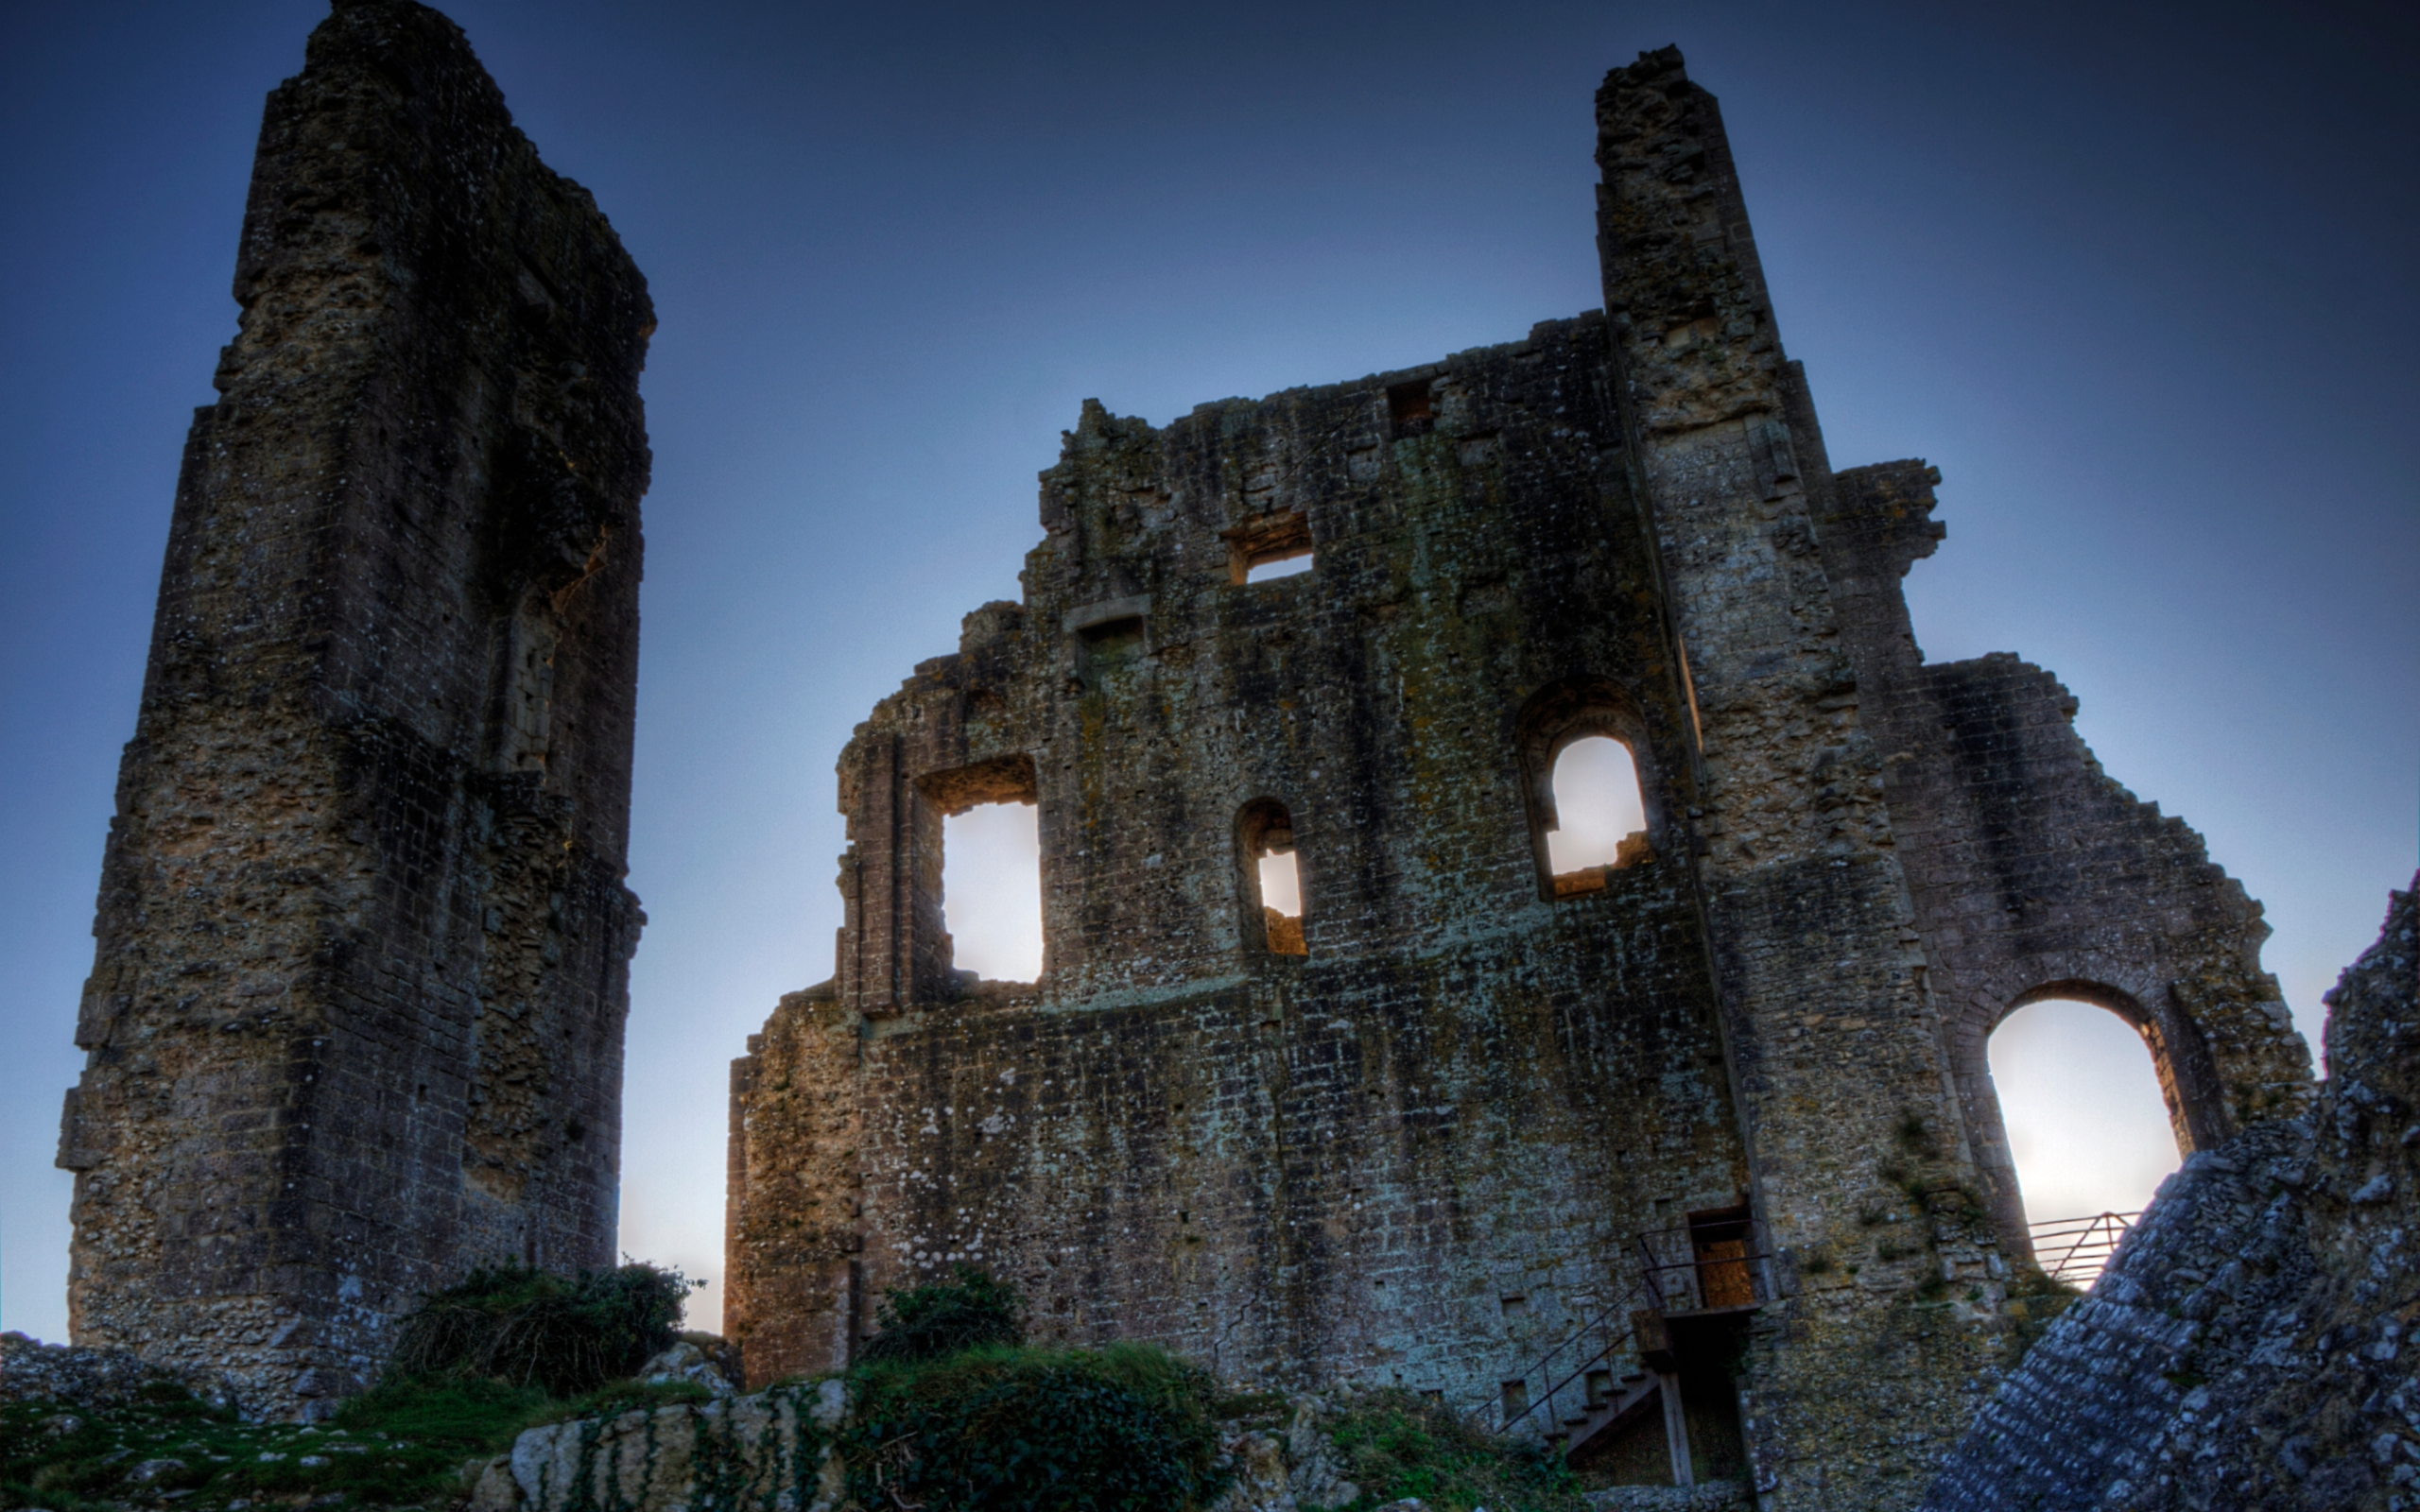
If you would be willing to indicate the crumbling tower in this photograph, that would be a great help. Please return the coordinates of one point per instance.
(354, 1022)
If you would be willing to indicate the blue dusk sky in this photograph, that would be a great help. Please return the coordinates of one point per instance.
(2138, 279)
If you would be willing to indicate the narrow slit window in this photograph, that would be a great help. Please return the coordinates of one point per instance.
(1601, 819)
(1274, 881)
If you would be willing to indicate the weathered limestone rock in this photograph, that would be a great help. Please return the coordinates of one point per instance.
(768, 1452)
(2248, 1347)
(355, 1021)
(1461, 1106)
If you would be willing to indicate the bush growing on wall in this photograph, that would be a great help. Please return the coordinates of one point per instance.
(935, 1321)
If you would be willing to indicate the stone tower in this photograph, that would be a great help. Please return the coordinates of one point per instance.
(354, 1022)
(1712, 1119)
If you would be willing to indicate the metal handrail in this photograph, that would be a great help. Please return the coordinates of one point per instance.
(1666, 1286)
(1622, 1306)
(2082, 1246)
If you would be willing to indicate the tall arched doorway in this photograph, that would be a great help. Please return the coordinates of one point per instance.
(2089, 1120)
(2087, 1126)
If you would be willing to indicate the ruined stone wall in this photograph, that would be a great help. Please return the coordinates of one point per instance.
(1419, 1150)
(2033, 873)
(355, 1019)
(2249, 1346)
(1862, 1177)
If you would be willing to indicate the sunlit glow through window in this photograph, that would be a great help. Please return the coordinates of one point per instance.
(2087, 1125)
(992, 890)
(1595, 799)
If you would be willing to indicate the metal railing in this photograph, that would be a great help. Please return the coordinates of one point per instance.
(1565, 1370)
(1684, 1274)
(2074, 1250)
(1677, 1275)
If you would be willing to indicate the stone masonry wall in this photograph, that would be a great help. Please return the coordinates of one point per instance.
(1862, 1177)
(2250, 1344)
(356, 1013)
(1422, 1147)
(2033, 873)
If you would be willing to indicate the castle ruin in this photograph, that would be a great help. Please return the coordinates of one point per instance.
(1725, 1098)
(354, 1022)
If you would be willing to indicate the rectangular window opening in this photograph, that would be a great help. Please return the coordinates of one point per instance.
(991, 866)
(1516, 1398)
(1411, 408)
(992, 890)
(1267, 568)
(1269, 546)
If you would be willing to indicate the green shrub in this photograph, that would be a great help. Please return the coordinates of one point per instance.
(1006, 1428)
(403, 1443)
(563, 1334)
(935, 1321)
(1394, 1445)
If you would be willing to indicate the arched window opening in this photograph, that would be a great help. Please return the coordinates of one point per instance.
(1594, 796)
(1273, 880)
(1601, 817)
(2088, 1127)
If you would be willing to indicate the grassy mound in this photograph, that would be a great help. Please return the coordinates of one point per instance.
(401, 1444)
(506, 1349)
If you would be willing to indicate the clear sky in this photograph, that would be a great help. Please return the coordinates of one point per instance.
(2141, 286)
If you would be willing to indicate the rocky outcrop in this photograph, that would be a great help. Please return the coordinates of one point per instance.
(2248, 1347)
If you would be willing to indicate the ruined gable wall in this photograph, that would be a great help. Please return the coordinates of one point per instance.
(1327, 1167)
(1863, 1182)
(2250, 1344)
(1338, 1165)
(2033, 873)
(355, 1021)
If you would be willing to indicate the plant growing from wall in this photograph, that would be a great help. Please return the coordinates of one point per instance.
(939, 1320)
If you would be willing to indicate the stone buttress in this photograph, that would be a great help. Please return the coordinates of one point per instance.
(355, 1022)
